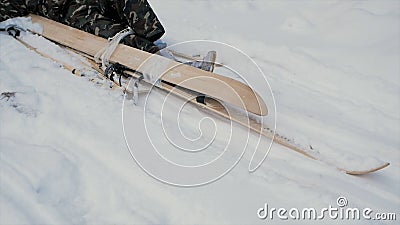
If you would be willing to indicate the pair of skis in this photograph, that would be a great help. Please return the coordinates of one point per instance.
(183, 81)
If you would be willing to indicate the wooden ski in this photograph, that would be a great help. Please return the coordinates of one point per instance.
(217, 108)
(210, 84)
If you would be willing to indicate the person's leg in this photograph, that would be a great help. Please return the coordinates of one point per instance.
(141, 18)
(12, 8)
(52, 9)
(89, 17)
(141, 43)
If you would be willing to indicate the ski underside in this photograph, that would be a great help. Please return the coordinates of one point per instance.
(85, 44)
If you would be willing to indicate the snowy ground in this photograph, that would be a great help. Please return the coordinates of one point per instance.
(334, 71)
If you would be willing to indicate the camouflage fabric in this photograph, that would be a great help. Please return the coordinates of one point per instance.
(104, 18)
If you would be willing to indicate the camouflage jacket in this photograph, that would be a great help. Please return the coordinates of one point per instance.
(100, 17)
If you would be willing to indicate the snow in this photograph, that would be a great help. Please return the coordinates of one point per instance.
(333, 68)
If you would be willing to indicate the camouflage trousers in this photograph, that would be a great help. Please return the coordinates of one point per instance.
(104, 18)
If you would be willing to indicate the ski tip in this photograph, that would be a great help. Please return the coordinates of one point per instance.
(263, 107)
(362, 172)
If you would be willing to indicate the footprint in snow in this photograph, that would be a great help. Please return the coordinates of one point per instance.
(22, 102)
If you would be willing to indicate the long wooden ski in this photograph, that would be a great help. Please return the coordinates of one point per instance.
(218, 108)
(223, 88)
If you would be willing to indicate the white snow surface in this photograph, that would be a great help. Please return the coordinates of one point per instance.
(334, 70)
